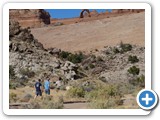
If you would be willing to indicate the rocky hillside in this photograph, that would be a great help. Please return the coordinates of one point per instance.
(29, 60)
(30, 17)
(27, 53)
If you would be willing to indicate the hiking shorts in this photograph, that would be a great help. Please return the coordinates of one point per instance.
(47, 91)
(39, 93)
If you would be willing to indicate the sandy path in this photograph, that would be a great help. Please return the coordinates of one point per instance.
(76, 106)
(95, 34)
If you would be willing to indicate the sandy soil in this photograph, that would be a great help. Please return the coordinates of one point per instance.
(87, 36)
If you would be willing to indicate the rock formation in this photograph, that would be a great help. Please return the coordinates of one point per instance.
(30, 17)
(27, 54)
(85, 10)
(93, 13)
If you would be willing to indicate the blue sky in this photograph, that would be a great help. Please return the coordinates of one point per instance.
(67, 13)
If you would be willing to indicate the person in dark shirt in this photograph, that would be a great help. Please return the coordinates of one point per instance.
(38, 88)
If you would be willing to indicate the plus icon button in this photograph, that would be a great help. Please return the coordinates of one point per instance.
(147, 99)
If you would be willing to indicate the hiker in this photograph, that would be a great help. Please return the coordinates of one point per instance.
(38, 88)
(47, 86)
(58, 84)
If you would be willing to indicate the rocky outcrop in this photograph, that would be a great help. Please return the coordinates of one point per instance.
(28, 55)
(21, 39)
(126, 10)
(83, 11)
(30, 17)
(93, 13)
(118, 64)
(69, 70)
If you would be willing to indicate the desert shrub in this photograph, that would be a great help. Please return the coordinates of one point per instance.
(74, 58)
(26, 98)
(12, 85)
(91, 65)
(102, 104)
(113, 91)
(104, 97)
(11, 72)
(13, 97)
(115, 50)
(34, 105)
(48, 102)
(133, 70)
(64, 54)
(76, 92)
(133, 59)
(125, 47)
(27, 72)
(105, 102)
(104, 92)
(53, 105)
(139, 81)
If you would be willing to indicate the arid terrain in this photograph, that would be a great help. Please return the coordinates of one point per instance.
(100, 58)
(87, 36)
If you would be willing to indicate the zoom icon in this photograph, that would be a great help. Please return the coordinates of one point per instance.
(147, 99)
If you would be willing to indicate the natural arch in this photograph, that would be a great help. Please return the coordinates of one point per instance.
(84, 10)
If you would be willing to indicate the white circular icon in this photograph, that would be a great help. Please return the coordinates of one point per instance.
(147, 99)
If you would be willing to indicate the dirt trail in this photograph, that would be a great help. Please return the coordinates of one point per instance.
(87, 36)
(76, 106)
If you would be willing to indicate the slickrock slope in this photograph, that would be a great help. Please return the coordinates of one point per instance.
(87, 36)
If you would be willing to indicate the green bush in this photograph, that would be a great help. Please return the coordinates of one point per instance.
(76, 92)
(91, 65)
(104, 92)
(74, 58)
(48, 102)
(115, 50)
(139, 81)
(133, 70)
(13, 97)
(125, 47)
(133, 59)
(64, 54)
(27, 72)
(12, 85)
(104, 97)
(11, 72)
(103, 104)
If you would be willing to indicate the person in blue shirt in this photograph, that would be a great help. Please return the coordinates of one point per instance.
(47, 86)
(38, 88)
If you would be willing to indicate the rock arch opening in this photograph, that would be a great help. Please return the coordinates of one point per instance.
(83, 11)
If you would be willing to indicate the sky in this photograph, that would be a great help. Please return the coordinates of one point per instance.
(68, 13)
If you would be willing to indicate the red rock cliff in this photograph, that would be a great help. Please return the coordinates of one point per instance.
(30, 17)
